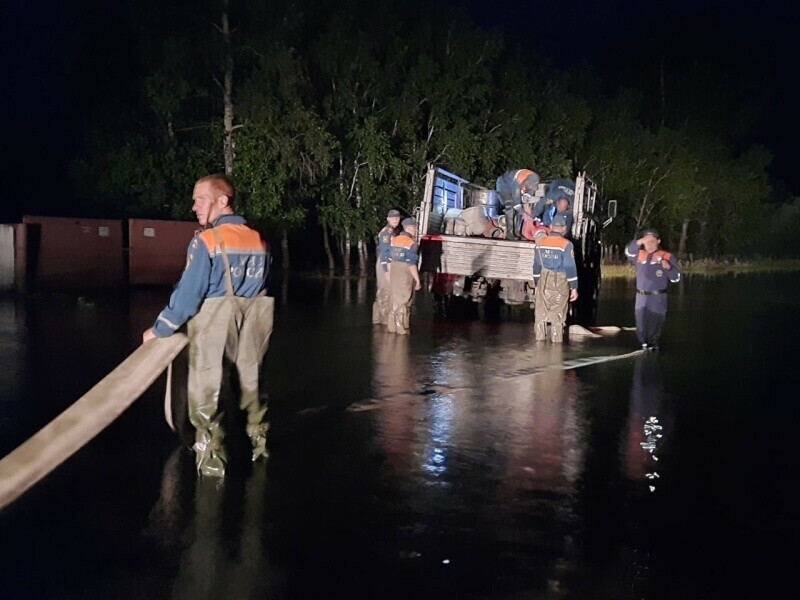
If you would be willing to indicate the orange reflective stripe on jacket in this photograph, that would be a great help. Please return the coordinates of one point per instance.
(658, 256)
(522, 175)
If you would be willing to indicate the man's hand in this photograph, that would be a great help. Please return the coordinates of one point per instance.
(573, 295)
(665, 265)
(148, 335)
(417, 285)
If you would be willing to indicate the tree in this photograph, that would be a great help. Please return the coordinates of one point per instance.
(282, 148)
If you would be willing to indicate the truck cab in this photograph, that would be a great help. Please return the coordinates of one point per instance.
(478, 267)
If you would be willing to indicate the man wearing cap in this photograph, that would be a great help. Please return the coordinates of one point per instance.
(557, 200)
(403, 276)
(655, 268)
(555, 275)
(380, 308)
(517, 186)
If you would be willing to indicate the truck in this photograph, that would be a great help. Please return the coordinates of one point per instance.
(478, 268)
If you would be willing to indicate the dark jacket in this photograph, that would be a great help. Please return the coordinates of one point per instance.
(204, 274)
(650, 274)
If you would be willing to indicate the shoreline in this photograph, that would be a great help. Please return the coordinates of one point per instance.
(711, 267)
(707, 267)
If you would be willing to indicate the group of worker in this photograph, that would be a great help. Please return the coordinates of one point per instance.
(526, 214)
(548, 221)
(221, 298)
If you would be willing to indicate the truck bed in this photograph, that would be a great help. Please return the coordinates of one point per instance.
(475, 256)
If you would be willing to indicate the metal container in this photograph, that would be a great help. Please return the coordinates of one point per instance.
(488, 199)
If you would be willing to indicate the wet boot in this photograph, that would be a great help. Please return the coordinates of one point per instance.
(402, 320)
(258, 440)
(255, 407)
(540, 331)
(385, 309)
(210, 456)
(376, 313)
(557, 332)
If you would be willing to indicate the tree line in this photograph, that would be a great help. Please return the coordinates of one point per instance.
(325, 115)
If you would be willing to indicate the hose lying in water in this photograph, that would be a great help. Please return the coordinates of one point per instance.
(88, 416)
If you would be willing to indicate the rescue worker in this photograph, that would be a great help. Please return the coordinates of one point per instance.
(557, 200)
(403, 276)
(380, 308)
(222, 296)
(655, 268)
(515, 187)
(555, 276)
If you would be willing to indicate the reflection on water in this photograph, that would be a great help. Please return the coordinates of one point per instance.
(482, 419)
(12, 350)
(460, 461)
(645, 428)
(646, 418)
(218, 532)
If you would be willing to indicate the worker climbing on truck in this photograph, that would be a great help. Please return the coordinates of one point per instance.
(556, 201)
(517, 186)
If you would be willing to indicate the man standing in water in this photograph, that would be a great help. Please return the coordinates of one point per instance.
(403, 277)
(556, 277)
(655, 268)
(222, 296)
(380, 308)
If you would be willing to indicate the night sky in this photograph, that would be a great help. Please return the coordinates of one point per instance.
(54, 51)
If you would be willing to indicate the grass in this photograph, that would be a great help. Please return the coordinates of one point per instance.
(705, 266)
(709, 266)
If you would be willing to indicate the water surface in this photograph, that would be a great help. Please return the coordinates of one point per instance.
(460, 461)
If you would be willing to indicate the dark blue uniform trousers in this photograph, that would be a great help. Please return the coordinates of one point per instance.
(650, 311)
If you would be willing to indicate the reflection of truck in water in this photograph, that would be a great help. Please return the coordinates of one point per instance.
(459, 263)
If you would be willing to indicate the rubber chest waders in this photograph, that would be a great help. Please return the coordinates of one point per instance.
(552, 298)
(381, 306)
(227, 331)
(401, 293)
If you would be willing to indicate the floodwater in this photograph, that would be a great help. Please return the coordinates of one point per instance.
(463, 461)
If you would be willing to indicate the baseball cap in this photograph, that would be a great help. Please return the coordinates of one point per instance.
(561, 188)
(393, 213)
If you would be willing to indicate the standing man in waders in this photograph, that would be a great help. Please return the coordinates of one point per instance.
(222, 296)
(655, 268)
(380, 308)
(556, 278)
(403, 277)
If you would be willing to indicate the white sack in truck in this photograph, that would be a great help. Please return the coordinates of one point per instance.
(473, 222)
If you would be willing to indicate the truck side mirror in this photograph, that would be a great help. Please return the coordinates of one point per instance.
(612, 209)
